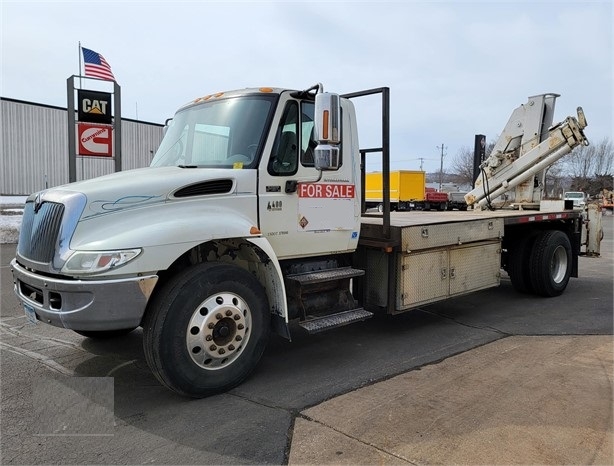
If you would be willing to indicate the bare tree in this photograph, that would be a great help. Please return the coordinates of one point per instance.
(604, 157)
(462, 163)
(592, 160)
(555, 181)
(590, 167)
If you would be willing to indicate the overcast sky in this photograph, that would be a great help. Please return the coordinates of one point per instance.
(454, 68)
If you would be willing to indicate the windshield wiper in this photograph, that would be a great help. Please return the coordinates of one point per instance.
(187, 166)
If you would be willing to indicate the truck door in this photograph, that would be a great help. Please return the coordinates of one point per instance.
(299, 214)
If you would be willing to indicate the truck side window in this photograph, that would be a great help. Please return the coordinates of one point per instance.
(308, 142)
(284, 157)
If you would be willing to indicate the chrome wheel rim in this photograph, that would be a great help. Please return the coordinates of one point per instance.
(558, 267)
(218, 330)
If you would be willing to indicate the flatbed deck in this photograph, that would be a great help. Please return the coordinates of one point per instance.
(417, 217)
(451, 226)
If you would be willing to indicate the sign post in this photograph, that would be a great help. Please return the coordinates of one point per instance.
(95, 129)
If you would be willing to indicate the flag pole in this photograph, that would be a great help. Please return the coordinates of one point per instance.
(80, 78)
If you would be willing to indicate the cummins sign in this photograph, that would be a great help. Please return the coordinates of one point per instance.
(95, 140)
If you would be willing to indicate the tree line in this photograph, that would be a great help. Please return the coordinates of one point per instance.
(587, 168)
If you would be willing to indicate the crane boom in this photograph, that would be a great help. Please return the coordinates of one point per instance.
(527, 146)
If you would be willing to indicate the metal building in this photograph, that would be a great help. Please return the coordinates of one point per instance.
(34, 147)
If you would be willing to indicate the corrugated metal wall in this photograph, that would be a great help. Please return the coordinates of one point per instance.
(34, 148)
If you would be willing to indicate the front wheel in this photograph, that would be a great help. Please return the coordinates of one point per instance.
(206, 330)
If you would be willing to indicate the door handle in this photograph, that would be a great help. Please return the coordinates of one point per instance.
(291, 186)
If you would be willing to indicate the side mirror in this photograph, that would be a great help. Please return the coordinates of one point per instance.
(327, 121)
(326, 157)
(327, 116)
(167, 123)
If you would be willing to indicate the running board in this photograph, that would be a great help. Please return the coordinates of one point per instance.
(328, 275)
(321, 324)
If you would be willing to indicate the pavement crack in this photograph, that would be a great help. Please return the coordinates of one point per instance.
(356, 439)
(477, 327)
(41, 358)
(261, 402)
(16, 331)
(605, 435)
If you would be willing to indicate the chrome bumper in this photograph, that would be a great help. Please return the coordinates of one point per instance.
(83, 304)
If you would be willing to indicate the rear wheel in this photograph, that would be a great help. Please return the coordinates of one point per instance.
(550, 263)
(207, 329)
(518, 264)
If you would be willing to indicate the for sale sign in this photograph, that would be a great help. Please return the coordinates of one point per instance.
(95, 140)
(330, 191)
(327, 206)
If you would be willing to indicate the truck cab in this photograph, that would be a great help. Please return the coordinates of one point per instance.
(261, 142)
(244, 194)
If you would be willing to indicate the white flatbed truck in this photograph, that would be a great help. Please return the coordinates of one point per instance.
(252, 216)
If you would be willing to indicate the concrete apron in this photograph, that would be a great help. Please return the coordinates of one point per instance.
(519, 400)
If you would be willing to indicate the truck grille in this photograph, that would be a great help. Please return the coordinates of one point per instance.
(39, 231)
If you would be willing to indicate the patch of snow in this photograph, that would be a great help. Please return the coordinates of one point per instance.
(9, 228)
(11, 208)
(6, 201)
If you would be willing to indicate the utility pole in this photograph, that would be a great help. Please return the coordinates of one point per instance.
(442, 147)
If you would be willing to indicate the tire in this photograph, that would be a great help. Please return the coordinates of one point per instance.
(104, 334)
(380, 207)
(206, 329)
(550, 263)
(518, 267)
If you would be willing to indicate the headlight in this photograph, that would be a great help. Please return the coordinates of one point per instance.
(82, 262)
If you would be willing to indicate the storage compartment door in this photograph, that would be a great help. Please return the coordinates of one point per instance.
(475, 267)
(423, 278)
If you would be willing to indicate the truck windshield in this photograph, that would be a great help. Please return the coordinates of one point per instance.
(574, 195)
(221, 133)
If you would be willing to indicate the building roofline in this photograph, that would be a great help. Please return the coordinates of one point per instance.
(36, 104)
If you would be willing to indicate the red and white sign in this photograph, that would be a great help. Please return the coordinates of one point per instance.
(95, 140)
(327, 206)
(329, 191)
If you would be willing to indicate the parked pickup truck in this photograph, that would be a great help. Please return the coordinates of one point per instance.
(457, 201)
(578, 197)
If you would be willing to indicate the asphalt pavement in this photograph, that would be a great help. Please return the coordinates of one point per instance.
(495, 377)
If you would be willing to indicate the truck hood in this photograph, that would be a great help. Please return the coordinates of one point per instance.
(146, 186)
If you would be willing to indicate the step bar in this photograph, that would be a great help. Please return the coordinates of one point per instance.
(322, 276)
(321, 324)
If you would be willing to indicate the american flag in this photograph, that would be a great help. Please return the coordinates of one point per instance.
(96, 66)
